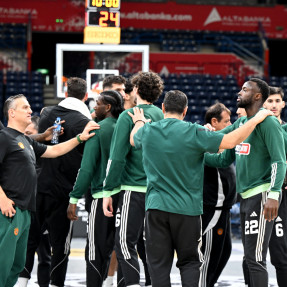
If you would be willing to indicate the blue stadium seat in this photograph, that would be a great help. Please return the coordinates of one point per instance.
(37, 77)
(191, 94)
(210, 89)
(199, 88)
(214, 96)
(11, 76)
(192, 102)
(195, 119)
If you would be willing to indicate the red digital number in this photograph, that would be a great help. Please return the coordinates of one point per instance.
(105, 16)
(108, 3)
(112, 3)
(97, 3)
(115, 18)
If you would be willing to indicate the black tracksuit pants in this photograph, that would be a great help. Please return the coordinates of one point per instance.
(256, 233)
(129, 227)
(168, 232)
(100, 242)
(216, 244)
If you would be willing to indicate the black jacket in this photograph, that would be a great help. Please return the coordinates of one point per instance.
(58, 175)
(219, 183)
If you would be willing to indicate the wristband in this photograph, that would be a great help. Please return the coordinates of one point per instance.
(79, 139)
(139, 121)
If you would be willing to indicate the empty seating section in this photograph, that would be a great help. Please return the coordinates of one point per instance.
(204, 90)
(13, 36)
(29, 84)
(192, 41)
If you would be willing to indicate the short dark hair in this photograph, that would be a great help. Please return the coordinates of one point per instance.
(215, 111)
(77, 88)
(35, 120)
(112, 79)
(115, 99)
(129, 87)
(149, 85)
(276, 90)
(175, 102)
(9, 103)
(263, 88)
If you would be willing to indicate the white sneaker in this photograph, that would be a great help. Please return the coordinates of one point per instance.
(22, 282)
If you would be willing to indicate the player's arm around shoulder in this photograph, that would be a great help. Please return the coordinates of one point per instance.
(235, 137)
(222, 160)
(65, 147)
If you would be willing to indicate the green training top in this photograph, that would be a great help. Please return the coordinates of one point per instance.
(284, 127)
(260, 159)
(173, 154)
(94, 163)
(125, 169)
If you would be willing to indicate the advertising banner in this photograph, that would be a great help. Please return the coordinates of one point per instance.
(46, 16)
(206, 17)
(69, 16)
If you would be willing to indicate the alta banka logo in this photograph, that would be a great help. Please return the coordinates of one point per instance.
(236, 20)
(243, 149)
(18, 13)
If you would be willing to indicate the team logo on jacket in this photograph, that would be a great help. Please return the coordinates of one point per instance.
(16, 231)
(243, 148)
(21, 145)
(219, 231)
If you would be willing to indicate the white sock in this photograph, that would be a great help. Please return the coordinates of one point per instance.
(22, 282)
(109, 281)
(135, 285)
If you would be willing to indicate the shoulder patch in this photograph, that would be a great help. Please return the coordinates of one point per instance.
(21, 145)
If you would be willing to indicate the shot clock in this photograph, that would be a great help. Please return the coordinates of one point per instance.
(104, 18)
(102, 21)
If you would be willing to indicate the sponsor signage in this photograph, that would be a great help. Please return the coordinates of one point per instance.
(243, 149)
(169, 15)
(98, 35)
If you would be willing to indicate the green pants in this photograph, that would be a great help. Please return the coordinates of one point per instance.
(14, 233)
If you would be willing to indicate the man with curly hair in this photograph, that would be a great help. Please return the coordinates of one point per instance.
(125, 174)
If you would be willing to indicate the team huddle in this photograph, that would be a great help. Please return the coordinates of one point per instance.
(154, 185)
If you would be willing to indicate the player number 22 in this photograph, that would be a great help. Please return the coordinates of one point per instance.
(251, 227)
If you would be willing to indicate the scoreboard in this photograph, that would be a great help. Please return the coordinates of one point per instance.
(102, 21)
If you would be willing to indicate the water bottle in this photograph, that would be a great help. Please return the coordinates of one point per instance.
(56, 131)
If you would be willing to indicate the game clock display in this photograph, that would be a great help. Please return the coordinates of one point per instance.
(104, 18)
(110, 4)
